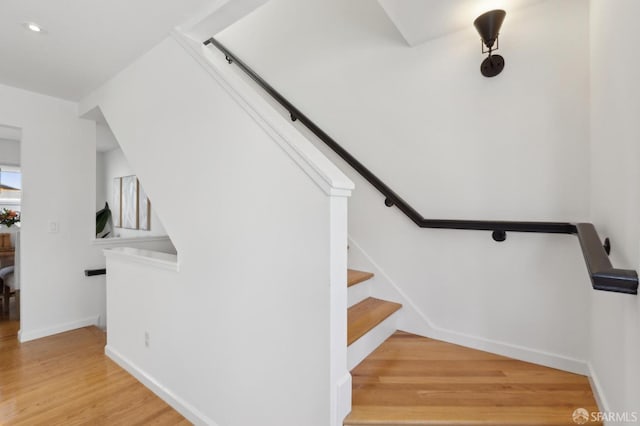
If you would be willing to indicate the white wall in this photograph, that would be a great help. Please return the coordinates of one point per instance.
(101, 189)
(58, 169)
(58, 153)
(615, 204)
(455, 145)
(252, 317)
(112, 164)
(9, 152)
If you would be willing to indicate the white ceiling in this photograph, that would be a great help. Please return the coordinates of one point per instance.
(86, 41)
(422, 20)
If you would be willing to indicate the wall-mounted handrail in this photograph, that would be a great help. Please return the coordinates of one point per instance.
(603, 278)
(603, 275)
(391, 197)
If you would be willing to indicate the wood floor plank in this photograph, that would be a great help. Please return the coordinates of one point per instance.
(412, 380)
(365, 315)
(455, 416)
(9, 323)
(355, 277)
(67, 380)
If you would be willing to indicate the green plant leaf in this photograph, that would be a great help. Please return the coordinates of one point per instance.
(102, 218)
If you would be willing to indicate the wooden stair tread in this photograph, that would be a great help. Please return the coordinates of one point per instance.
(355, 277)
(413, 380)
(365, 315)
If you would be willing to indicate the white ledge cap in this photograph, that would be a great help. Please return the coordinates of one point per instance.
(149, 257)
(116, 241)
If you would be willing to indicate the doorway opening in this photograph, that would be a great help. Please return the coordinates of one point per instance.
(10, 225)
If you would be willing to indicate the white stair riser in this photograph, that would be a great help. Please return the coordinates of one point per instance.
(362, 347)
(358, 292)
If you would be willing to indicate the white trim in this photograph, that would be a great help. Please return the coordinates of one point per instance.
(598, 392)
(339, 396)
(344, 398)
(156, 259)
(318, 167)
(423, 326)
(25, 336)
(180, 405)
(126, 240)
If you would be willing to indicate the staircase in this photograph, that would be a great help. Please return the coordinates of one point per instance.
(404, 379)
(370, 321)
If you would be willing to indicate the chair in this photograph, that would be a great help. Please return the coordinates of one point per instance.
(9, 288)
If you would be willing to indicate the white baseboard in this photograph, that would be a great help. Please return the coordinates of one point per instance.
(27, 335)
(187, 410)
(414, 320)
(598, 392)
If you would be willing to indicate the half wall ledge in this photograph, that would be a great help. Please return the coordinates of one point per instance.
(149, 257)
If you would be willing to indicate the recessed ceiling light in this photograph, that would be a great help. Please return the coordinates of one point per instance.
(32, 26)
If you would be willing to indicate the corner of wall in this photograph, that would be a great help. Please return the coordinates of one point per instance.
(28, 335)
(598, 391)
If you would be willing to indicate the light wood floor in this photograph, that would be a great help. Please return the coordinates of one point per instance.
(67, 380)
(9, 324)
(411, 380)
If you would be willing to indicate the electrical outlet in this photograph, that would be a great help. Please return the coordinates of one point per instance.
(147, 340)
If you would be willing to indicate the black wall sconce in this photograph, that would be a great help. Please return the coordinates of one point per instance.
(488, 25)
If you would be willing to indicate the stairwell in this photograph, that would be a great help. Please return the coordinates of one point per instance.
(429, 382)
(398, 378)
(404, 379)
(370, 321)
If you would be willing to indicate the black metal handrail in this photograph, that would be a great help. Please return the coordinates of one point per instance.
(499, 228)
(392, 198)
(603, 275)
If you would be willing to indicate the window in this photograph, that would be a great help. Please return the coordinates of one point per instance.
(10, 185)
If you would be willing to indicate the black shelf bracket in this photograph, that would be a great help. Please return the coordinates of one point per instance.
(94, 272)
